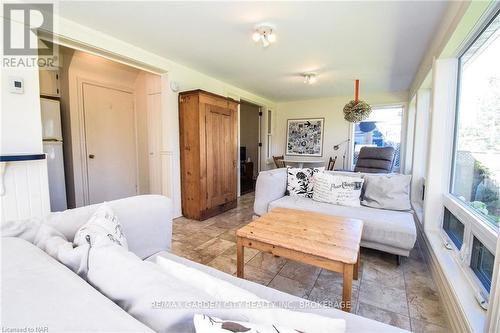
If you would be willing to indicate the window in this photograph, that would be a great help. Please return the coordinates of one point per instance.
(381, 129)
(476, 156)
(482, 261)
(453, 228)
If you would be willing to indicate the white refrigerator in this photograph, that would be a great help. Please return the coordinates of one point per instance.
(53, 148)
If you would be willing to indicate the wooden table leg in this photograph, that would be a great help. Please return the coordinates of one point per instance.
(347, 288)
(240, 261)
(356, 267)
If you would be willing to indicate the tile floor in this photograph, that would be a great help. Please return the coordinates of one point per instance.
(403, 296)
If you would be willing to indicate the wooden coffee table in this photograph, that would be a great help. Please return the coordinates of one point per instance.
(325, 241)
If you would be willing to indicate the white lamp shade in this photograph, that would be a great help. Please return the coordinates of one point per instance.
(256, 36)
(271, 37)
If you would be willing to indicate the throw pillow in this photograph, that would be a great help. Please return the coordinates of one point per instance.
(208, 324)
(338, 190)
(387, 191)
(345, 173)
(103, 226)
(299, 181)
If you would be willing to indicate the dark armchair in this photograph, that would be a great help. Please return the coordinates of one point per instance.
(375, 160)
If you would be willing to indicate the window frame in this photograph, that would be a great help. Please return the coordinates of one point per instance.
(473, 227)
(471, 266)
(450, 238)
(474, 224)
(456, 115)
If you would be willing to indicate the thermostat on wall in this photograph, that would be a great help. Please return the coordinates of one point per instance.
(16, 85)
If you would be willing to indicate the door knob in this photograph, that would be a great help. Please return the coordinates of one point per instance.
(91, 156)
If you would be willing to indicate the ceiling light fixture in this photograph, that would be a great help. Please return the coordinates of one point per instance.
(309, 78)
(265, 34)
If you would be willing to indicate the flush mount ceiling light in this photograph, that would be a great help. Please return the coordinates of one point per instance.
(264, 33)
(309, 78)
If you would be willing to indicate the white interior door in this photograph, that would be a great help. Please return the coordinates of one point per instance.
(154, 142)
(110, 142)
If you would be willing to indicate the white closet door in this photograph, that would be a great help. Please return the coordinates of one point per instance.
(111, 143)
(154, 142)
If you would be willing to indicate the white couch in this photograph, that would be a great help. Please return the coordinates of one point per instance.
(38, 291)
(386, 230)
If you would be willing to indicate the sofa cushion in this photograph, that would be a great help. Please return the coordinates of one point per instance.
(354, 323)
(271, 185)
(42, 292)
(396, 228)
(153, 234)
(208, 324)
(389, 191)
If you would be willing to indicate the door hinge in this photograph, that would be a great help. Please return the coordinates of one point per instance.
(260, 144)
(260, 113)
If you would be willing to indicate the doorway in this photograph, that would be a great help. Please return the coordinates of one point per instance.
(110, 142)
(250, 144)
(109, 120)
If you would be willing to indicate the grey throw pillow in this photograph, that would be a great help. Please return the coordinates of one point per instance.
(387, 191)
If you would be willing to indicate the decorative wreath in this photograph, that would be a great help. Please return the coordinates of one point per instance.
(356, 110)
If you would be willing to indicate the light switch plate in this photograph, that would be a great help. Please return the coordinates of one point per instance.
(16, 85)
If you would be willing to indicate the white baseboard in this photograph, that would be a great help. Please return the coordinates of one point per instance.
(458, 319)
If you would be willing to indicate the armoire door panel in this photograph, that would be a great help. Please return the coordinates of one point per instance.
(220, 155)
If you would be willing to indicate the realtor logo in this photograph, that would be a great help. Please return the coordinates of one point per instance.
(20, 28)
(28, 36)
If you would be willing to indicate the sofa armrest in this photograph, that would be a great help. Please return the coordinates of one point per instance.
(271, 185)
(146, 222)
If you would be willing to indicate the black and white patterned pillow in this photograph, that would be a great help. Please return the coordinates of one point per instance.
(300, 181)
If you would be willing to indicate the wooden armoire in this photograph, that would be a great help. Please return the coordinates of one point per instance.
(208, 145)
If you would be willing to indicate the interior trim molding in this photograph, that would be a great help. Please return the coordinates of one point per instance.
(85, 47)
(458, 319)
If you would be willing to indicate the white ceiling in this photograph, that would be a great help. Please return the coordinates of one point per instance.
(381, 43)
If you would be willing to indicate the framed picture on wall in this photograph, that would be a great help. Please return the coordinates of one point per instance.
(304, 137)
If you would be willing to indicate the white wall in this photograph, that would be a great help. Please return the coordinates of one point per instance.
(21, 117)
(336, 128)
(423, 109)
(25, 183)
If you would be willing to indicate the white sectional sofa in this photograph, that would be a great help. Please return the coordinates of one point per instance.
(38, 291)
(385, 230)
